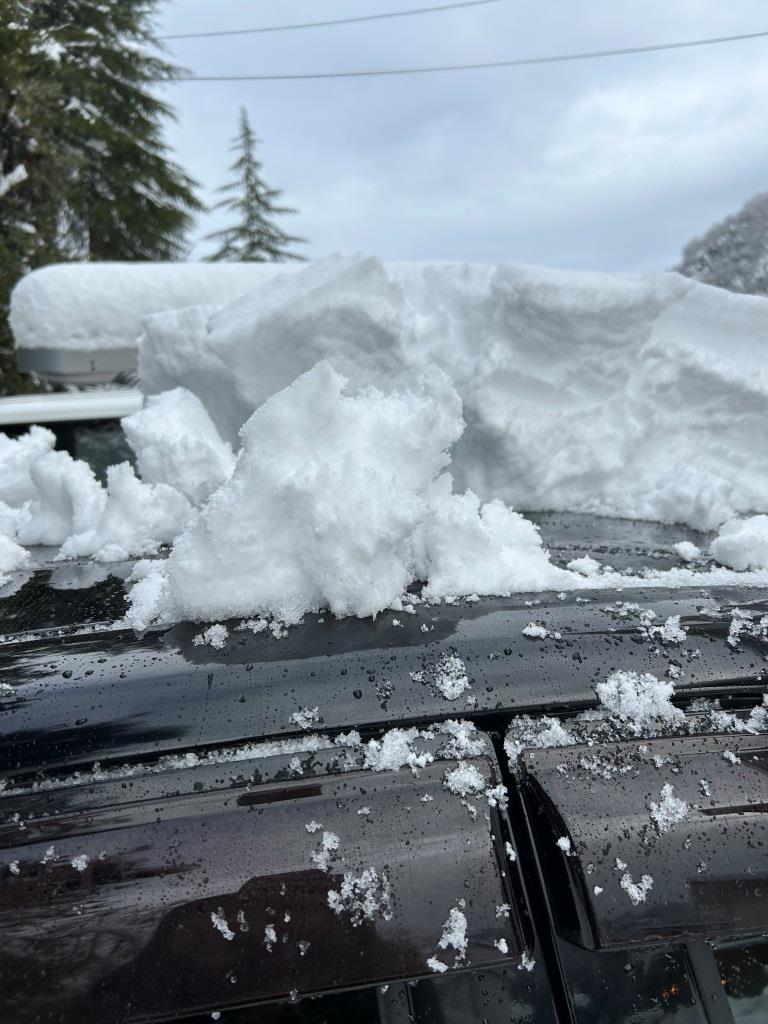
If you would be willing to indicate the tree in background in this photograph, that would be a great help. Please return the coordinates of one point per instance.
(77, 112)
(734, 253)
(255, 237)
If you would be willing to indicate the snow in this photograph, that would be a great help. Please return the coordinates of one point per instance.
(345, 429)
(12, 557)
(586, 565)
(395, 750)
(336, 518)
(535, 631)
(136, 519)
(305, 718)
(219, 922)
(176, 443)
(68, 500)
(669, 811)
(101, 305)
(13, 178)
(465, 780)
(637, 891)
(216, 635)
(742, 543)
(17, 456)
(687, 551)
(573, 384)
(639, 700)
(454, 934)
(328, 846)
(449, 677)
(363, 897)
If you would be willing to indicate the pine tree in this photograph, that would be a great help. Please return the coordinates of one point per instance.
(255, 237)
(126, 199)
(78, 114)
(29, 213)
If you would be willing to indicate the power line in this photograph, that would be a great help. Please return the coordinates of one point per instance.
(560, 58)
(324, 24)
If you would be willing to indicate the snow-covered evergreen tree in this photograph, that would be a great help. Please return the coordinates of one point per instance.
(255, 236)
(126, 199)
(77, 112)
(734, 253)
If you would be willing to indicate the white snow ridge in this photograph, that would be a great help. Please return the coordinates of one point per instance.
(350, 427)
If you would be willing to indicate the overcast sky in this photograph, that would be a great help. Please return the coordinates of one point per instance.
(608, 164)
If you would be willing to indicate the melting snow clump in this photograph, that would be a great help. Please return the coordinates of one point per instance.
(669, 811)
(687, 551)
(742, 544)
(364, 897)
(216, 635)
(637, 891)
(639, 700)
(219, 922)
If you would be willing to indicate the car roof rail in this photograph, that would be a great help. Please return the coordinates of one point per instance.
(651, 841)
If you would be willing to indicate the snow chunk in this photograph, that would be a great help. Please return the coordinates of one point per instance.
(525, 732)
(12, 557)
(564, 843)
(669, 632)
(451, 677)
(216, 635)
(640, 701)
(448, 676)
(219, 922)
(270, 937)
(305, 718)
(687, 551)
(742, 543)
(437, 965)
(364, 897)
(69, 499)
(136, 519)
(395, 750)
(669, 811)
(637, 891)
(329, 845)
(17, 456)
(585, 565)
(176, 443)
(502, 946)
(465, 780)
(80, 862)
(455, 933)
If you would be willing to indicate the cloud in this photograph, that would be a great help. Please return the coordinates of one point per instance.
(608, 164)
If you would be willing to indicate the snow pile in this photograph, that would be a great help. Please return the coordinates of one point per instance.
(639, 701)
(68, 500)
(176, 443)
(339, 502)
(12, 557)
(743, 544)
(134, 519)
(612, 394)
(101, 305)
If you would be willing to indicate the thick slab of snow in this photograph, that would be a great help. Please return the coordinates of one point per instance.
(176, 443)
(636, 395)
(101, 305)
